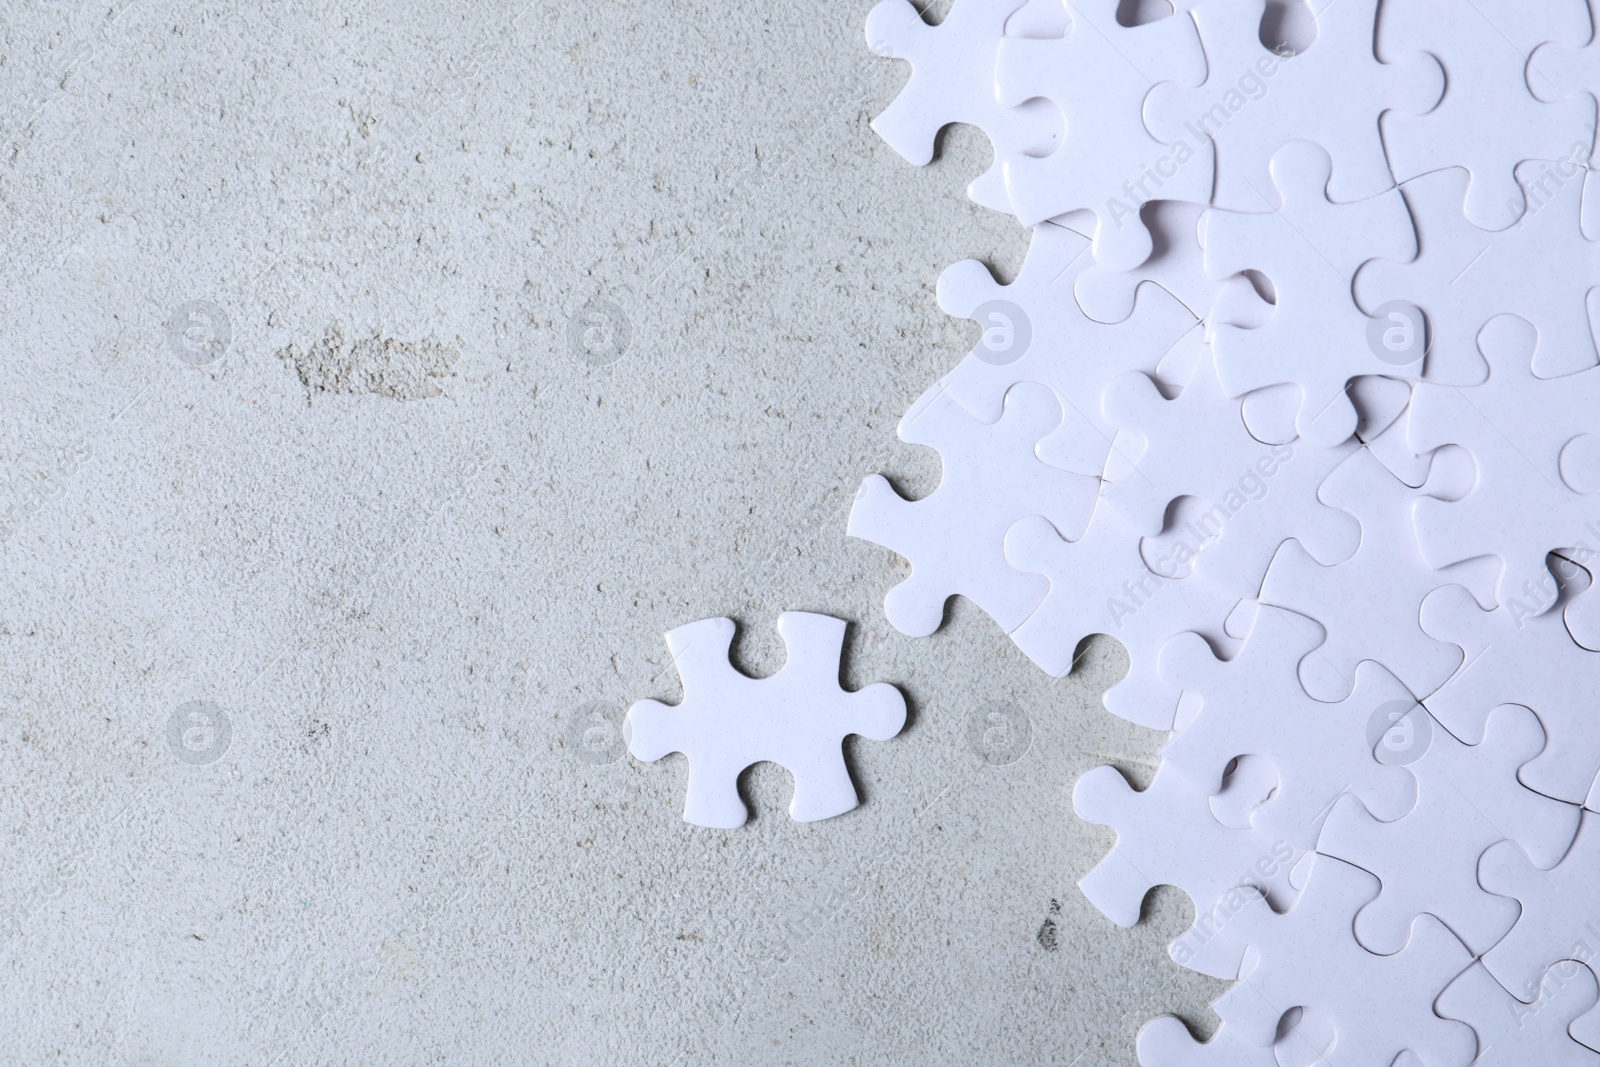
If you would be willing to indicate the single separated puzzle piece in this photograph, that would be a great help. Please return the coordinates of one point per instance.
(952, 80)
(1310, 249)
(955, 536)
(1254, 100)
(798, 718)
(1468, 798)
(1107, 162)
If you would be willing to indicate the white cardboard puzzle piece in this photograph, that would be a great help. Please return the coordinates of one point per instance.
(1468, 799)
(1553, 923)
(1370, 604)
(1310, 248)
(1166, 835)
(1488, 120)
(1107, 163)
(952, 80)
(1511, 1033)
(955, 536)
(1255, 496)
(1255, 100)
(1254, 704)
(1379, 1005)
(1034, 331)
(798, 718)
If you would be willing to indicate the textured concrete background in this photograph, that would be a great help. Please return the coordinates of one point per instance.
(321, 536)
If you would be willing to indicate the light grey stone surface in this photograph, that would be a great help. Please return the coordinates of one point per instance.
(397, 533)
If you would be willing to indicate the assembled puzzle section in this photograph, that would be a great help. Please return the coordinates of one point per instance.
(1343, 525)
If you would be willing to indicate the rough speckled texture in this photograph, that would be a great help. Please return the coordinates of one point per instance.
(401, 854)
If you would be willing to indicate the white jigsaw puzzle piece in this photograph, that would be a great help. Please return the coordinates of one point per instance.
(1254, 704)
(1310, 248)
(955, 536)
(1513, 1034)
(1555, 918)
(1107, 162)
(1528, 661)
(953, 80)
(1255, 100)
(1255, 496)
(1369, 604)
(1468, 798)
(1166, 835)
(1515, 426)
(1035, 331)
(1539, 268)
(1378, 1005)
(1099, 584)
(1176, 264)
(1488, 121)
(798, 718)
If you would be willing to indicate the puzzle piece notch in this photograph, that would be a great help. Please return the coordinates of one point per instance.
(954, 536)
(1310, 248)
(1166, 1042)
(1468, 799)
(797, 718)
(1582, 613)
